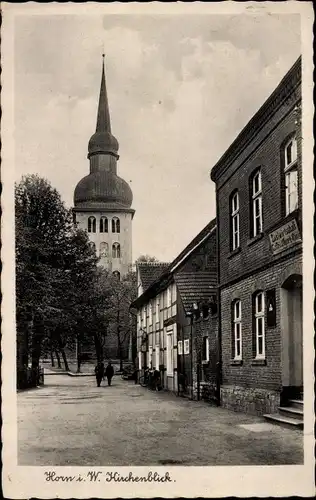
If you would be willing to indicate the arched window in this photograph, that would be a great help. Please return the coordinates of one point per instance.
(259, 325)
(92, 225)
(116, 225)
(256, 203)
(104, 249)
(92, 246)
(234, 222)
(117, 275)
(104, 226)
(290, 173)
(116, 250)
(236, 333)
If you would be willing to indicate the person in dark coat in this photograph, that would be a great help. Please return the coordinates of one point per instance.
(99, 373)
(109, 372)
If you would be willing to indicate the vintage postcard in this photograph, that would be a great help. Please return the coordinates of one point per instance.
(157, 249)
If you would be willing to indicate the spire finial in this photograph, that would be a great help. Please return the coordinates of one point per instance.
(103, 119)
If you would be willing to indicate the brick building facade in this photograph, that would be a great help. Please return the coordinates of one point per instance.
(259, 227)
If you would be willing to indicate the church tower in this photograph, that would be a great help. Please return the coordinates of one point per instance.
(102, 200)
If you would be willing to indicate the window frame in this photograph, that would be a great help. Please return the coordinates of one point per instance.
(259, 317)
(116, 250)
(106, 245)
(207, 349)
(92, 224)
(234, 220)
(288, 171)
(237, 330)
(150, 313)
(256, 196)
(169, 352)
(157, 356)
(116, 225)
(104, 224)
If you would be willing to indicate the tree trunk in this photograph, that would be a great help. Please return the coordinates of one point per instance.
(52, 357)
(98, 348)
(37, 337)
(78, 353)
(58, 358)
(62, 350)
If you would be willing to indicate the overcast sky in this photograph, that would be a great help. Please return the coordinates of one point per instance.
(180, 89)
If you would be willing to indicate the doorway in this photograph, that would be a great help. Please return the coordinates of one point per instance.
(292, 332)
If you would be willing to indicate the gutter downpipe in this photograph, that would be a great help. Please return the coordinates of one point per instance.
(219, 323)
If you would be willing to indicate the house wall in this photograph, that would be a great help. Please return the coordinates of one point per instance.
(248, 384)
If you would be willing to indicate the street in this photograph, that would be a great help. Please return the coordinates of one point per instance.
(69, 421)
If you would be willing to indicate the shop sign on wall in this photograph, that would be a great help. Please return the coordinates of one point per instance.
(284, 237)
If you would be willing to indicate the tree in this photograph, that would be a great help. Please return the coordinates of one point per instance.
(51, 258)
(146, 258)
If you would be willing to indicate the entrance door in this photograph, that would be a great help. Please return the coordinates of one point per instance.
(292, 332)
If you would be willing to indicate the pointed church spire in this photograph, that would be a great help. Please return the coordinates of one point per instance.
(103, 120)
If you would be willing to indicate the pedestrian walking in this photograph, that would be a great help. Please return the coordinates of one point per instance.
(109, 372)
(99, 372)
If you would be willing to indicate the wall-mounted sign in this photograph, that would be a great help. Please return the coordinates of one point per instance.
(284, 237)
(271, 308)
(180, 351)
(186, 346)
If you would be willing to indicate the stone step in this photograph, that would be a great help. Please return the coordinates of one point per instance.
(296, 403)
(291, 412)
(278, 419)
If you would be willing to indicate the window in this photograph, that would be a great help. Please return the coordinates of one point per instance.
(259, 312)
(157, 310)
(186, 346)
(104, 226)
(115, 225)
(169, 296)
(205, 350)
(144, 314)
(117, 275)
(104, 249)
(92, 225)
(150, 307)
(256, 194)
(291, 179)
(170, 353)
(237, 342)
(150, 356)
(92, 246)
(157, 357)
(116, 251)
(180, 350)
(235, 221)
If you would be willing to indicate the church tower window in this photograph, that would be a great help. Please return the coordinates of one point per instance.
(116, 225)
(104, 226)
(116, 251)
(92, 225)
(104, 249)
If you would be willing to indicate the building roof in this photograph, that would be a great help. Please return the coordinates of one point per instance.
(163, 279)
(150, 272)
(104, 189)
(195, 287)
(290, 81)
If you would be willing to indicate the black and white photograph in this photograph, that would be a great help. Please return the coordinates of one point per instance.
(157, 249)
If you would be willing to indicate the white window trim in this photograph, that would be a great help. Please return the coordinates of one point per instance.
(207, 359)
(288, 166)
(150, 313)
(186, 346)
(260, 315)
(237, 321)
(257, 195)
(169, 353)
(157, 357)
(235, 220)
(180, 347)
